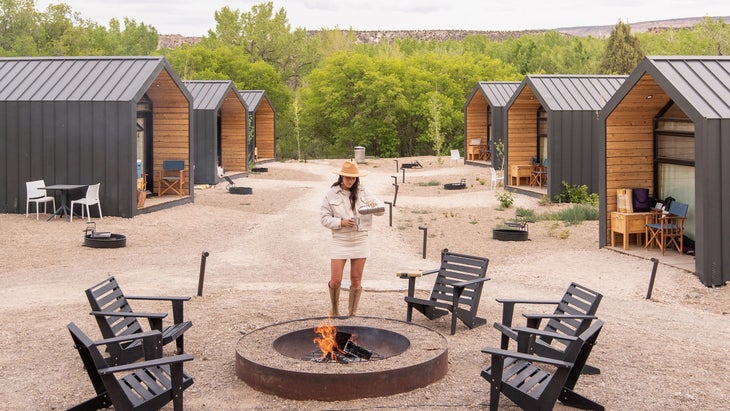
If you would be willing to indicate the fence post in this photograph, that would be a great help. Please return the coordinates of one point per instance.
(201, 278)
(425, 235)
(390, 213)
(653, 276)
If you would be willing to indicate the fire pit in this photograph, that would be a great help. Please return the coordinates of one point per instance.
(388, 357)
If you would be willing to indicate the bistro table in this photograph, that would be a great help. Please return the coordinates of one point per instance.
(64, 189)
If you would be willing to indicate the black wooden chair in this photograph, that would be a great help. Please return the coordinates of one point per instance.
(525, 379)
(573, 314)
(457, 289)
(147, 385)
(115, 317)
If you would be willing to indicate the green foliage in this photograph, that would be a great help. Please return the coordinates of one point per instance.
(623, 51)
(505, 198)
(573, 215)
(556, 232)
(429, 183)
(525, 215)
(544, 200)
(577, 194)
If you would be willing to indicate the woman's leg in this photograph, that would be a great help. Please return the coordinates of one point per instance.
(337, 267)
(357, 266)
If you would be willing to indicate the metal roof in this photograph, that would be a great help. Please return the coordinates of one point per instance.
(76, 78)
(498, 93)
(572, 92)
(703, 81)
(252, 98)
(208, 94)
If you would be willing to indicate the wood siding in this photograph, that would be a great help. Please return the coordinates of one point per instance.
(630, 142)
(521, 145)
(170, 125)
(477, 116)
(265, 131)
(233, 134)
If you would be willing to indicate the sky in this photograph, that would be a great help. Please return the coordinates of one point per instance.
(196, 17)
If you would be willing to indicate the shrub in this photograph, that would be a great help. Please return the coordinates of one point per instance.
(577, 194)
(505, 199)
(526, 215)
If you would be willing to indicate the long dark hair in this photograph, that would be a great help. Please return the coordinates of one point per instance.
(353, 190)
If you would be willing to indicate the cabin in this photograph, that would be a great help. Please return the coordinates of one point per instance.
(220, 129)
(261, 125)
(666, 129)
(87, 120)
(551, 130)
(485, 120)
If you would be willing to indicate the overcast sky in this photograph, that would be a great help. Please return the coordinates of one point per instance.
(196, 17)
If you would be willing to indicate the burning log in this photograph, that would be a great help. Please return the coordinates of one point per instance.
(338, 346)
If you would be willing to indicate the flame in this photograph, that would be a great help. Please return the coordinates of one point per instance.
(326, 339)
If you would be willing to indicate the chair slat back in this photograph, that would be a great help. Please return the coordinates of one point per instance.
(173, 165)
(108, 296)
(577, 300)
(457, 268)
(678, 209)
(90, 356)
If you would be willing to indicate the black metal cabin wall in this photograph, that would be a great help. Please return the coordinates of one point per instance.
(712, 201)
(71, 143)
(206, 142)
(572, 150)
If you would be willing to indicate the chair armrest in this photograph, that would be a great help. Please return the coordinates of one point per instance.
(177, 304)
(156, 298)
(542, 333)
(463, 284)
(145, 364)
(433, 271)
(128, 337)
(128, 314)
(527, 357)
(508, 307)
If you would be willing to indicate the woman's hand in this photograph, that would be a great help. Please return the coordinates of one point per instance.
(347, 222)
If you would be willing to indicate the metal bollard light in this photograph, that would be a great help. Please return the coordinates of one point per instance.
(390, 213)
(396, 165)
(425, 235)
(201, 278)
(404, 176)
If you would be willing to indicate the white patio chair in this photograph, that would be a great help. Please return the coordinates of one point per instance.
(496, 178)
(92, 197)
(37, 195)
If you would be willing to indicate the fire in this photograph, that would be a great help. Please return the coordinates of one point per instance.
(326, 340)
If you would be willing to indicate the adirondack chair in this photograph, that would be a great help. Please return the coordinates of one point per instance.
(115, 317)
(457, 289)
(149, 384)
(522, 378)
(573, 313)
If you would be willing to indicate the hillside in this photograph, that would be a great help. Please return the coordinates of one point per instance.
(374, 37)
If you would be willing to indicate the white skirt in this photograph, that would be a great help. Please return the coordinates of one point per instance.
(349, 244)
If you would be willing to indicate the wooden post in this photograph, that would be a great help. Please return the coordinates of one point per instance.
(653, 276)
(425, 235)
(390, 213)
(201, 278)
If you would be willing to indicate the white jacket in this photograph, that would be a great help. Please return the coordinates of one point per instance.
(336, 207)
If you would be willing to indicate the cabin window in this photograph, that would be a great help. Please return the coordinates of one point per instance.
(674, 159)
(542, 134)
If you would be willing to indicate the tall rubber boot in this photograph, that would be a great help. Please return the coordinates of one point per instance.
(334, 300)
(354, 300)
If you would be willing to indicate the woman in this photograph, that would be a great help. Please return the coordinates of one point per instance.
(347, 210)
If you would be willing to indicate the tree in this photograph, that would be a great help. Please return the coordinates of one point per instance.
(623, 51)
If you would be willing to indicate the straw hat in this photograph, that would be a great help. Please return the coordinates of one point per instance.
(349, 169)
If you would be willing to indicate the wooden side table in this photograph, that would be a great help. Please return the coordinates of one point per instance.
(627, 224)
(518, 172)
